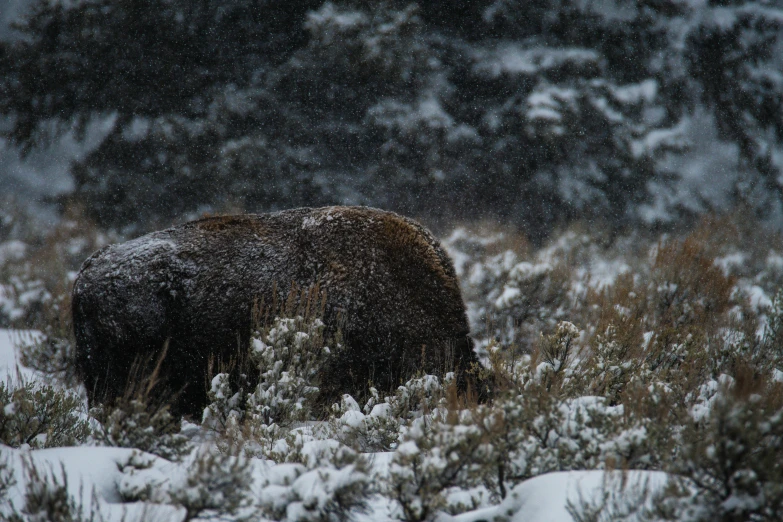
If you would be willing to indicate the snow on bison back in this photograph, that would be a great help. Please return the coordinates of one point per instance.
(386, 279)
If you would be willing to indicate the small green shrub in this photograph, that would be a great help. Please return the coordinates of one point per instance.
(216, 486)
(435, 455)
(52, 350)
(732, 459)
(40, 416)
(330, 483)
(135, 423)
(287, 353)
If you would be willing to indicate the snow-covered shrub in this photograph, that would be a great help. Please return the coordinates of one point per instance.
(568, 406)
(52, 350)
(331, 484)
(731, 457)
(657, 333)
(24, 300)
(35, 291)
(52, 354)
(418, 396)
(688, 291)
(135, 423)
(535, 432)
(206, 485)
(553, 361)
(46, 306)
(483, 452)
(512, 294)
(323, 481)
(376, 428)
(288, 354)
(534, 296)
(379, 425)
(137, 484)
(216, 486)
(225, 407)
(545, 419)
(436, 455)
(579, 433)
(37, 270)
(40, 416)
(557, 350)
(614, 362)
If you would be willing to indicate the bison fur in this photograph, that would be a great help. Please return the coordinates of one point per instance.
(388, 287)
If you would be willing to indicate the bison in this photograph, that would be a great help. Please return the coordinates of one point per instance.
(388, 287)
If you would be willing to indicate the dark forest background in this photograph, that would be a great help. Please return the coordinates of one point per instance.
(532, 113)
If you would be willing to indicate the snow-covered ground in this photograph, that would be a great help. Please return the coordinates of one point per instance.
(100, 478)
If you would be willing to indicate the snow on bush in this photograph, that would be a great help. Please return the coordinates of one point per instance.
(40, 416)
(332, 484)
(432, 463)
(730, 457)
(215, 486)
(136, 423)
(206, 484)
(513, 298)
(376, 428)
(287, 356)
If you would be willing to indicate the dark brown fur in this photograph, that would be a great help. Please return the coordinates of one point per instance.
(387, 282)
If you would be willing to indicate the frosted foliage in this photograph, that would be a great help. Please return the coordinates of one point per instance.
(436, 459)
(330, 483)
(418, 396)
(513, 298)
(381, 423)
(214, 485)
(134, 424)
(375, 429)
(40, 416)
(47, 497)
(21, 298)
(206, 485)
(578, 433)
(225, 406)
(288, 355)
(332, 486)
(484, 452)
(730, 459)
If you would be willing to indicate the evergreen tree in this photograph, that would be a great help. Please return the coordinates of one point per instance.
(533, 112)
(734, 55)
